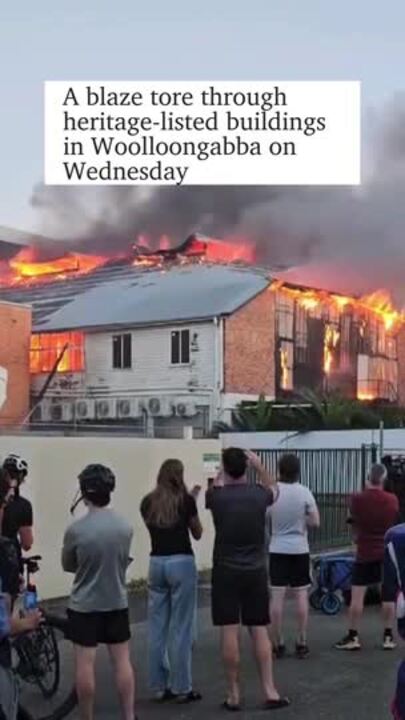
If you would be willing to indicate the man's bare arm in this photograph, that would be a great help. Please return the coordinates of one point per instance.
(265, 477)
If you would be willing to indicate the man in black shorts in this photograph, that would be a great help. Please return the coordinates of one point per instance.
(96, 550)
(372, 513)
(239, 579)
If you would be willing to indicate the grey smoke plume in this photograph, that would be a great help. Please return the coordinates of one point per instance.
(362, 227)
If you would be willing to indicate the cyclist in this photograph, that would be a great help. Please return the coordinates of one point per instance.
(9, 624)
(96, 550)
(18, 515)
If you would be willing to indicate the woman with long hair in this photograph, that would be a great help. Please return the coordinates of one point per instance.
(170, 514)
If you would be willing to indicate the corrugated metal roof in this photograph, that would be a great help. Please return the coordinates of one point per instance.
(143, 298)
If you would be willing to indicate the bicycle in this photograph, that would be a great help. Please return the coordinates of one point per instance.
(38, 663)
(37, 652)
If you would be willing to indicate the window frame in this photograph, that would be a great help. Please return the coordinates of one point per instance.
(180, 333)
(121, 337)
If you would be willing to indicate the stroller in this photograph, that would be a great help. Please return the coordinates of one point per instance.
(333, 582)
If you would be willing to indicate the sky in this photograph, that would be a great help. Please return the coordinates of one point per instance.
(179, 40)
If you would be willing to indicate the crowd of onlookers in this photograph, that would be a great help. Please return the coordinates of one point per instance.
(261, 552)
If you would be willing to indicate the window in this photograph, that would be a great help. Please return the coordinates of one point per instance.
(49, 348)
(122, 352)
(286, 365)
(377, 378)
(180, 347)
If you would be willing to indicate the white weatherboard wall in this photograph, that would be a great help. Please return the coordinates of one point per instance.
(151, 372)
(152, 368)
(54, 465)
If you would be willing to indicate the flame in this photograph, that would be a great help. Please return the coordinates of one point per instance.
(47, 347)
(284, 369)
(378, 303)
(332, 336)
(365, 396)
(25, 265)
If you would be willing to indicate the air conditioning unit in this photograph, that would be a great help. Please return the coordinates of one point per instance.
(105, 409)
(158, 406)
(154, 406)
(128, 408)
(84, 409)
(185, 408)
(60, 412)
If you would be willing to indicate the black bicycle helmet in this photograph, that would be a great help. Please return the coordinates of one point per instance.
(96, 479)
(15, 466)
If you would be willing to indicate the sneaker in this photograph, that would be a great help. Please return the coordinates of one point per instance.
(388, 642)
(301, 651)
(351, 641)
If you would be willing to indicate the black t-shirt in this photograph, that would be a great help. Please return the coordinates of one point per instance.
(239, 514)
(173, 540)
(17, 514)
(10, 582)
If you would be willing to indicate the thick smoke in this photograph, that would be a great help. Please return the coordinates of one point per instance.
(361, 229)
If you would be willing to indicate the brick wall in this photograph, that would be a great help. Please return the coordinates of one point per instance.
(249, 347)
(15, 334)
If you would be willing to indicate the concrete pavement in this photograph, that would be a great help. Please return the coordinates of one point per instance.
(330, 685)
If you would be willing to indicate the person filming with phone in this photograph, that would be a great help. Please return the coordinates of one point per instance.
(240, 594)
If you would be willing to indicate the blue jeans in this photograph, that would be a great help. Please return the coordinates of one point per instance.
(171, 615)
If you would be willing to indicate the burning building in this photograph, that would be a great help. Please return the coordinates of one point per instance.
(181, 335)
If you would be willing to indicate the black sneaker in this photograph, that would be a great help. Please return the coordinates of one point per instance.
(279, 651)
(301, 651)
(351, 641)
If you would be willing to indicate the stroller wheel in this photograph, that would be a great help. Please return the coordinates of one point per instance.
(331, 604)
(315, 599)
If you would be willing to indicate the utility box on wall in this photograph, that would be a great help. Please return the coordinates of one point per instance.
(15, 338)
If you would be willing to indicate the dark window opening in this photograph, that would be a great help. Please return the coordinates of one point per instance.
(122, 352)
(180, 347)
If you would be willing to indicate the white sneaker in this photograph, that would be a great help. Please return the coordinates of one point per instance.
(349, 642)
(388, 642)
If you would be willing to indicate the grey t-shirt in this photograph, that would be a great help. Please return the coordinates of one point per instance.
(96, 549)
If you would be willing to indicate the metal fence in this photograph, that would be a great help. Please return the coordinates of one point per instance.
(332, 476)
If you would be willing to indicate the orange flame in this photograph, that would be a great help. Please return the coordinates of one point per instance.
(379, 303)
(25, 265)
(47, 348)
(365, 396)
(332, 336)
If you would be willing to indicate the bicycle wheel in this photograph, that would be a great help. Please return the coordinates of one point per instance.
(58, 704)
(59, 713)
(38, 659)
